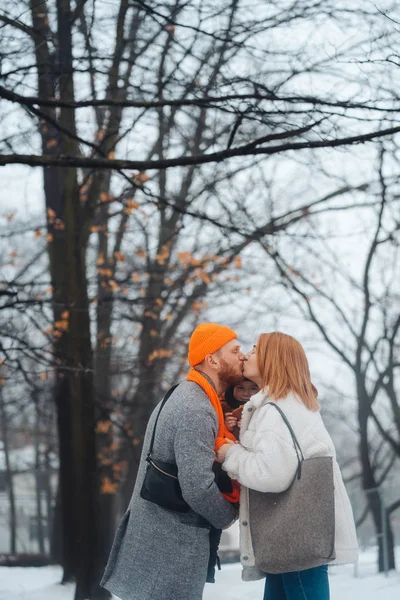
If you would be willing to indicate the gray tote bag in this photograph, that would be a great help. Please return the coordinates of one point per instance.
(294, 530)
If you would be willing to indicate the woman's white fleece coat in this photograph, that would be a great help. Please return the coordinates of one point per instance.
(265, 460)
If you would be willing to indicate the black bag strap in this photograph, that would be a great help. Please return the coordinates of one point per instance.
(167, 395)
(296, 444)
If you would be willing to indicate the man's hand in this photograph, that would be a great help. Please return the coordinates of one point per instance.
(221, 454)
(230, 421)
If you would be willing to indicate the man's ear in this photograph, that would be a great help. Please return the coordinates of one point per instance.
(211, 361)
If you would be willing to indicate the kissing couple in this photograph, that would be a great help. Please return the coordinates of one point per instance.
(271, 464)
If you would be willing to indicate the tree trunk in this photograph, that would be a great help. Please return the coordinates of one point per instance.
(9, 478)
(83, 553)
(370, 483)
(56, 532)
(64, 522)
(102, 382)
(64, 514)
(38, 482)
(374, 500)
(390, 548)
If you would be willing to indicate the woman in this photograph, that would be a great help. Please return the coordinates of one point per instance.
(265, 459)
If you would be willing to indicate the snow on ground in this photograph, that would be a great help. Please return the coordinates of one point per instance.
(18, 583)
(33, 583)
(344, 586)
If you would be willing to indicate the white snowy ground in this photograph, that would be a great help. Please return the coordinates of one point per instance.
(42, 583)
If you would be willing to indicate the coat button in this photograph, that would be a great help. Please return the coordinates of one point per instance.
(245, 558)
(244, 523)
(250, 408)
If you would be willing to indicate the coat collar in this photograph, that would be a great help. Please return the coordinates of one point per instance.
(259, 399)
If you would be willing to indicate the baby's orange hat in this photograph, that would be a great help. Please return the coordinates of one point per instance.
(206, 339)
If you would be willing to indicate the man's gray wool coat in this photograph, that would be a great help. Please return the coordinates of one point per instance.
(159, 554)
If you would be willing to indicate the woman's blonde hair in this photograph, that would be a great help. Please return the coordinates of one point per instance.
(283, 367)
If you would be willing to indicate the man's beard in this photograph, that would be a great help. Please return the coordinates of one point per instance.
(229, 375)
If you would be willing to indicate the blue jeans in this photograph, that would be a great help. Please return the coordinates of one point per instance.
(311, 584)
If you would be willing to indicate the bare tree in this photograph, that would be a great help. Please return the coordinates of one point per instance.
(8, 473)
(357, 316)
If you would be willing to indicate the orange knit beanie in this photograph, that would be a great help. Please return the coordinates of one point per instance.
(206, 339)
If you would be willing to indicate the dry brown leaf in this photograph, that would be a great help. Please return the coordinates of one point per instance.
(103, 426)
(184, 258)
(113, 285)
(51, 143)
(141, 253)
(107, 486)
(120, 256)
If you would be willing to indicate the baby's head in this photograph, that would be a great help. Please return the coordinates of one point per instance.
(241, 392)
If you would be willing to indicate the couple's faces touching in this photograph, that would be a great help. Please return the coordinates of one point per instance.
(232, 365)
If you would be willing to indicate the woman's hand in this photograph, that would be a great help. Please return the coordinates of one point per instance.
(221, 454)
(230, 421)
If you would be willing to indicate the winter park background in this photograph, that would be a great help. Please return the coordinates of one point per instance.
(174, 162)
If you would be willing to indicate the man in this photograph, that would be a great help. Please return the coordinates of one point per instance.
(159, 554)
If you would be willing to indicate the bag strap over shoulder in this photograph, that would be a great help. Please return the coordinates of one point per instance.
(167, 395)
(296, 444)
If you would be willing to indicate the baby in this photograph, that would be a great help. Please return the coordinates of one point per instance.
(233, 401)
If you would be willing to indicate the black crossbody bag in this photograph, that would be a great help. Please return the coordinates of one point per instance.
(161, 484)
